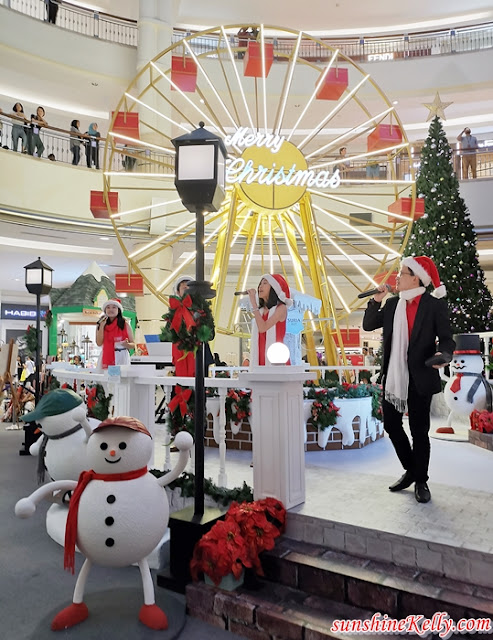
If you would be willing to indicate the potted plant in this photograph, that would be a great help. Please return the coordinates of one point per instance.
(236, 542)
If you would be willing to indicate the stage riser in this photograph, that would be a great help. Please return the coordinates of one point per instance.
(456, 563)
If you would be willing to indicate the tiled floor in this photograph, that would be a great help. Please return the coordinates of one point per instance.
(352, 487)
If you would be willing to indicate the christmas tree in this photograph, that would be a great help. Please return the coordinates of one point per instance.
(446, 234)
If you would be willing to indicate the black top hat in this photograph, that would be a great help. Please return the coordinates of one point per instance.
(467, 344)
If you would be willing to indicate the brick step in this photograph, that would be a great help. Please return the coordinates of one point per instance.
(275, 612)
(372, 585)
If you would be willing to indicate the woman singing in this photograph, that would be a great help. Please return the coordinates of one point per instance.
(114, 334)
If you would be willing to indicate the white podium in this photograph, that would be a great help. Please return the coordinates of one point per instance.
(278, 432)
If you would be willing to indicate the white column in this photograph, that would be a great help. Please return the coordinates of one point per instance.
(278, 433)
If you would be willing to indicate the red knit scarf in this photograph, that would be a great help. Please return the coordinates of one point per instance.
(73, 510)
(112, 334)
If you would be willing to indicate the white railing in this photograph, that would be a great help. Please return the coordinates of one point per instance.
(363, 49)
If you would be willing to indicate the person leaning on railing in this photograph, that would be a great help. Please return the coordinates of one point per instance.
(34, 141)
(468, 145)
(75, 139)
(92, 146)
(19, 130)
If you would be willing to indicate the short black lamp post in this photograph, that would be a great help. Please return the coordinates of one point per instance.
(200, 169)
(39, 279)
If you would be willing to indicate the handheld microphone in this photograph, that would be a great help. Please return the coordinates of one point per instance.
(240, 293)
(372, 292)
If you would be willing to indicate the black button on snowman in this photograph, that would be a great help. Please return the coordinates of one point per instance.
(119, 482)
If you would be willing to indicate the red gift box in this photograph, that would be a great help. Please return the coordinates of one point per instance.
(129, 283)
(384, 136)
(403, 207)
(350, 337)
(184, 73)
(126, 123)
(98, 205)
(252, 62)
(334, 85)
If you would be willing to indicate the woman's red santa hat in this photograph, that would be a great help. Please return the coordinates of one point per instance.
(116, 301)
(425, 269)
(280, 286)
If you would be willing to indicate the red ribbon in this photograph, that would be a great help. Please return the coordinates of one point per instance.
(182, 396)
(182, 312)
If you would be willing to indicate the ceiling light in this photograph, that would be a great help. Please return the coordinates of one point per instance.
(395, 102)
(104, 238)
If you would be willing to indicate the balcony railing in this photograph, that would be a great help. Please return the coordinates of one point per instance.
(365, 49)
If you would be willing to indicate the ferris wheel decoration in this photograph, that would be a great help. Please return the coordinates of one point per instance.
(285, 103)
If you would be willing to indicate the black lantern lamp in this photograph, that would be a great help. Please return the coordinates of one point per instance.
(39, 278)
(200, 169)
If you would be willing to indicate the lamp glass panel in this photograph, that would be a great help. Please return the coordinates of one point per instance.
(47, 277)
(196, 162)
(34, 276)
(221, 170)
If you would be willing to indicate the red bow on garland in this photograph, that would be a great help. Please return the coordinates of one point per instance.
(91, 397)
(180, 400)
(182, 312)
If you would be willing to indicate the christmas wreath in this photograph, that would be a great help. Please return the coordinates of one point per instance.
(31, 338)
(189, 322)
(98, 403)
(238, 405)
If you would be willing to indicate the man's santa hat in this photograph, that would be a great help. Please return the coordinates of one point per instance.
(178, 282)
(425, 269)
(116, 301)
(280, 286)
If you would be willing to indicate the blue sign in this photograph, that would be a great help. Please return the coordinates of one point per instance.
(294, 321)
(21, 312)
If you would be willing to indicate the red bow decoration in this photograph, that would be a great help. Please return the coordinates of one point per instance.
(182, 396)
(91, 397)
(182, 312)
(455, 386)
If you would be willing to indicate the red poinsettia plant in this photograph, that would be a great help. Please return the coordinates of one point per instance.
(236, 542)
(481, 421)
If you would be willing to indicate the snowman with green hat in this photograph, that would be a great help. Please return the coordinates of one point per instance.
(61, 449)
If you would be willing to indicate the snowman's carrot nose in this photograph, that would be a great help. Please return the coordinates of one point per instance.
(112, 452)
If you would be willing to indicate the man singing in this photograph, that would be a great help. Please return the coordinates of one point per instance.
(412, 323)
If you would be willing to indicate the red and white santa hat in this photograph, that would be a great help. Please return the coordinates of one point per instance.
(280, 286)
(425, 269)
(116, 301)
(178, 282)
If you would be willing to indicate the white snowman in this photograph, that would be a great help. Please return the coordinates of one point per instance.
(118, 512)
(467, 388)
(61, 448)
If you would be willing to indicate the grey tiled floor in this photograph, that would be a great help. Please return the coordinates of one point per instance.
(352, 487)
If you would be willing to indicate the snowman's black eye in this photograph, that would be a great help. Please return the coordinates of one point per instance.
(103, 446)
(462, 361)
(122, 445)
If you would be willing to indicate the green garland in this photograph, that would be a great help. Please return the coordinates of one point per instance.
(98, 403)
(31, 338)
(189, 340)
(176, 422)
(221, 495)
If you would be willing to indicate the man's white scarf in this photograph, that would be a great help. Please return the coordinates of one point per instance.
(397, 378)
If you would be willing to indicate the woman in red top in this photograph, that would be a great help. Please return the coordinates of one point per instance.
(114, 334)
(269, 315)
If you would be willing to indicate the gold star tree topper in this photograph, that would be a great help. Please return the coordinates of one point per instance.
(437, 108)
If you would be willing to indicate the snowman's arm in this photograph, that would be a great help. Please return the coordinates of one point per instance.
(34, 448)
(184, 442)
(25, 507)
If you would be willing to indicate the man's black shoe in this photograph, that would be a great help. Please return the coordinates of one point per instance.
(421, 492)
(403, 483)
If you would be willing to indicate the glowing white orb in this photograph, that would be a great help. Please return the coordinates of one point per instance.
(278, 353)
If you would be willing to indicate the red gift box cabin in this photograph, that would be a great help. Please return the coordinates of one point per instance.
(126, 123)
(334, 85)
(402, 206)
(129, 283)
(98, 205)
(384, 136)
(252, 62)
(183, 73)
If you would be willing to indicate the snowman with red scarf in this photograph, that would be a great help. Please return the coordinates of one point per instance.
(467, 388)
(118, 512)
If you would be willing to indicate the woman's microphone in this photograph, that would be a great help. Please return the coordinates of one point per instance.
(373, 292)
(240, 293)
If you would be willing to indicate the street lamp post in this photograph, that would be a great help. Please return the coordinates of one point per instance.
(39, 278)
(200, 175)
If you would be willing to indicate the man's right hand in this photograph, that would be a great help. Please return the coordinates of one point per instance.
(378, 297)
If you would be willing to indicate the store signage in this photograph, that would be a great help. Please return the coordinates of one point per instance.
(91, 312)
(377, 57)
(21, 312)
